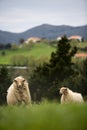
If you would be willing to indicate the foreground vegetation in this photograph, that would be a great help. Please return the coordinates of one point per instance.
(45, 116)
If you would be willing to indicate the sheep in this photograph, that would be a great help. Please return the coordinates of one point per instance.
(18, 92)
(68, 96)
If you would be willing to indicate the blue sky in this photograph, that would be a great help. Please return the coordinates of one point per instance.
(20, 15)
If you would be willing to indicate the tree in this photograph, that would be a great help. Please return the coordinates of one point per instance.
(3, 53)
(84, 78)
(51, 75)
(5, 81)
(21, 41)
(61, 65)
(8, 46)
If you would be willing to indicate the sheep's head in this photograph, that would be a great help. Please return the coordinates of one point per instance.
(63, 90)
(19, 82)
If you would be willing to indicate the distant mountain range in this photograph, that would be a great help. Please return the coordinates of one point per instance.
(44, 31)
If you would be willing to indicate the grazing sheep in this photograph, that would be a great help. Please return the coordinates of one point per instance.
(18, 92)
(69, 96)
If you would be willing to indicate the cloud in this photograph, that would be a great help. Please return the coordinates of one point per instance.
(19, 15)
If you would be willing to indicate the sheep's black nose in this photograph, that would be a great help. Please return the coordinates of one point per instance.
(19, 86)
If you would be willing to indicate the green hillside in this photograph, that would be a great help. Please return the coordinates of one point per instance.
(36, 50)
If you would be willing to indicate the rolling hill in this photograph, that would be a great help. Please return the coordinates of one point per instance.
(44, 31)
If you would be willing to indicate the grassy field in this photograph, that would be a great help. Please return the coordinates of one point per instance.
(45, 116)
(80, 45)
(37, 51)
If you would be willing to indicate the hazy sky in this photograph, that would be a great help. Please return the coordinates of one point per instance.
(20, 15)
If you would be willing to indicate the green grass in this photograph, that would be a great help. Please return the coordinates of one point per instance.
(37, 51)
(80, 45)
(46, 116)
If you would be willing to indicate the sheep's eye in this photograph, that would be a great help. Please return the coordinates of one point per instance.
(15, 81)
(23, 81)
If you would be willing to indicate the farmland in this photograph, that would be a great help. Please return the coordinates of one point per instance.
(37, 51)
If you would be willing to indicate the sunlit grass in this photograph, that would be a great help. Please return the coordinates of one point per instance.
(45, 116)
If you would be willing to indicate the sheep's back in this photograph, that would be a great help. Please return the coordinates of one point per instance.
(11, 96)
(77, 97)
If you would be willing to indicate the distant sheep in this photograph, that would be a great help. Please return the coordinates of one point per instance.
(69, 96)
(18, 92)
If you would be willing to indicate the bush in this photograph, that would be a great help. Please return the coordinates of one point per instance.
(19, 60)
(3, 53)
(5, 81)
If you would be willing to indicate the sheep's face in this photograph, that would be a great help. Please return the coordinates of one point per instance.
(63, 90)
(19, 82)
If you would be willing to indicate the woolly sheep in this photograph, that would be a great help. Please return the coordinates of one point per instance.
(68, 96)
(18, 92)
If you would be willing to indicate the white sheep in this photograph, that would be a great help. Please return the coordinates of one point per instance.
(18, 92)
(68, 96)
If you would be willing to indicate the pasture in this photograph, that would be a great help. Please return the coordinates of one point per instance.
(37, 51)
(44, 116)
